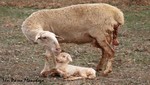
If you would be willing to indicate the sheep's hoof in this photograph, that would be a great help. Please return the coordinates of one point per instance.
(104, 74)
(98, 69)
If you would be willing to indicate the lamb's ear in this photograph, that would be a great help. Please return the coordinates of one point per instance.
(59, 38)
(69, 58)
(37, 37)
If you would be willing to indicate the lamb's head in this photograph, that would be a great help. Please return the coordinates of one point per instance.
(63, 58)
(48, 40)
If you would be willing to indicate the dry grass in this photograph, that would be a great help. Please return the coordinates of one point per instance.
(19, 59)
(61, 3)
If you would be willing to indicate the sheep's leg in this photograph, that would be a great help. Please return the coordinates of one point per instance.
(104, 55)
(108, 66)
(107, 51)
(46, 68)
(102, 61)
(110, 58)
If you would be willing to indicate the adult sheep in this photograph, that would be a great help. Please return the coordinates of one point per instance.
(84, 23)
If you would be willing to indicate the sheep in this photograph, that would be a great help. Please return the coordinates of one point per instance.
(83, 23)
(71, 72)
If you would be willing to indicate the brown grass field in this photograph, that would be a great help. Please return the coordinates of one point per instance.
(21, 62)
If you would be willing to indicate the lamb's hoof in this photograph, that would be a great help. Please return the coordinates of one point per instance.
(55, 75)
(44, 74)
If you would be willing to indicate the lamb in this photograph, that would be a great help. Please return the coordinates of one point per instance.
(71, 72)
(83, 23)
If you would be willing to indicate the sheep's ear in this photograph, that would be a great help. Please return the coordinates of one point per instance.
(59, 38)
(69, 58)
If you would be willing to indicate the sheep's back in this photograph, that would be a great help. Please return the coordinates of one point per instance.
(75, 20)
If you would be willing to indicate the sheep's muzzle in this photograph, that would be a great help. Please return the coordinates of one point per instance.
(58, 51)
(115, 35)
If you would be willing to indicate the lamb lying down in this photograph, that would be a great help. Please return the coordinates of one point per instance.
(71, 72)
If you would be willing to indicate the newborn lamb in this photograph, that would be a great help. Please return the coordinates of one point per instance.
(71, 72)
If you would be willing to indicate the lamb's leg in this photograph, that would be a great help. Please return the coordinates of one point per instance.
(83, 76)
(78, 75)
(56, 71)
(73, 78)
(91, 76)
(46, 68)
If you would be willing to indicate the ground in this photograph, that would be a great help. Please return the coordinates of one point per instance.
(21, 61)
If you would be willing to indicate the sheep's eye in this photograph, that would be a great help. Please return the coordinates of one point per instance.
(44, 38)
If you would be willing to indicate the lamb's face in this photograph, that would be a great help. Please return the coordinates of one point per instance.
(63, 58)
(49, 41)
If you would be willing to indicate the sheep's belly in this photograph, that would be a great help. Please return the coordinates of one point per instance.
(78, 38)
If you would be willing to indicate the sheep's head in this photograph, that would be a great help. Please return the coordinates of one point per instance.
(115, 35)
(63, 58)
(48, 40)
